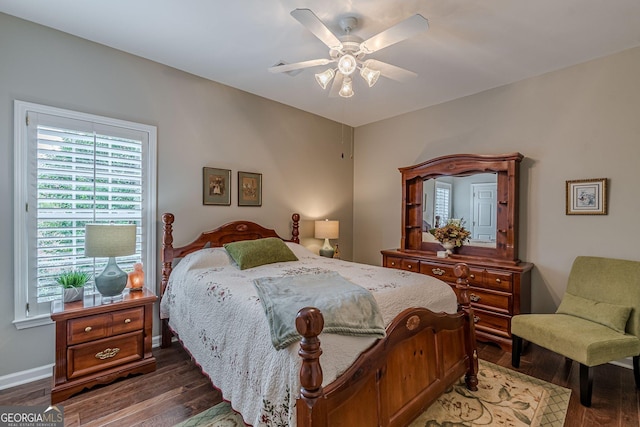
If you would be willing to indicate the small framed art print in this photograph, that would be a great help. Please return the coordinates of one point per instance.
(216, 186)
(249, 189)
(587, 197)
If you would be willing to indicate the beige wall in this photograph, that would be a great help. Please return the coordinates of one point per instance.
(576, 123)
(200, 123)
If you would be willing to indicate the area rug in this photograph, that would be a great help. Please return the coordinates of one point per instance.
(504, 397)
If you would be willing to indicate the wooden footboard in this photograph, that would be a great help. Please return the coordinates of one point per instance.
(398, 377)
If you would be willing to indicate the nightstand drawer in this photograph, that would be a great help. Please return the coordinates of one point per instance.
(127, 320)
(88, 328)
(84, 359)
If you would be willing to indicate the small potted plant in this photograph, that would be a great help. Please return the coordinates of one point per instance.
(72, 283)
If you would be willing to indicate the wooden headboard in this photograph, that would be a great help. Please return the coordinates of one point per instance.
(230, 232)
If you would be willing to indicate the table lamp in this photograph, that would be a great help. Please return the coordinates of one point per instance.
(327, 230)
(110, 240)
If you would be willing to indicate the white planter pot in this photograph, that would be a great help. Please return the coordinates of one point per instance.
(73, 294)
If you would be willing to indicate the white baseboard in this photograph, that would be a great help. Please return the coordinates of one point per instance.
(46, 371)
(24, 377)
(625, 363)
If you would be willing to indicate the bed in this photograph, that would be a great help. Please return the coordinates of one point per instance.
(210, 305)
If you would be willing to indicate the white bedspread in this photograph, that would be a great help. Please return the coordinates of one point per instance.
(213, 307)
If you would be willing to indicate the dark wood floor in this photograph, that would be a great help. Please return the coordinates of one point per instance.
(177, 390)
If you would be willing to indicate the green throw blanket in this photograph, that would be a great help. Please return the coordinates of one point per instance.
(348, 309)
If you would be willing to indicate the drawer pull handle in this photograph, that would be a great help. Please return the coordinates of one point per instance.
(474, 298)
(498, 281)
(393, 263)
(127, 320)
(409, 266)
(476, 319)
(107, 353)
(472, 276)
(437, 271)
(88, 329)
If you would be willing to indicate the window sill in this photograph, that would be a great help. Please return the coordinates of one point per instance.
(32, 322)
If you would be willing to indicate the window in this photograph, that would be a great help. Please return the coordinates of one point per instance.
(72, 169)
(443, 202)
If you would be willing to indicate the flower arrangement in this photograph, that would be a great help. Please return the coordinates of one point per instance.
(453, 231)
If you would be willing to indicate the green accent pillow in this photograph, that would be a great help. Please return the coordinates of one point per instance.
(610, 315)
(253, 253)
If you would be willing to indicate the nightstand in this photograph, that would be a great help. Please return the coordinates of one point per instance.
(97, 343)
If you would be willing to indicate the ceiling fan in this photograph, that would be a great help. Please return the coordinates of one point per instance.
(349, 52)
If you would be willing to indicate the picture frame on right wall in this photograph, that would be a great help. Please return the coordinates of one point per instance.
(587, 197)
(249, 189)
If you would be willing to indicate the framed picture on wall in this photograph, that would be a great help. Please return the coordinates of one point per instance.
(216, 186)
(249, 189)
(587, 197)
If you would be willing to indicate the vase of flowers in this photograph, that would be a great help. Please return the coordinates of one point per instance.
(451, 235)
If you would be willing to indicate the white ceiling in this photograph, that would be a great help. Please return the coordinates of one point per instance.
(471, 45)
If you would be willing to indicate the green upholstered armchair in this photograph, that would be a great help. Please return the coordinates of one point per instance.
(598, 320)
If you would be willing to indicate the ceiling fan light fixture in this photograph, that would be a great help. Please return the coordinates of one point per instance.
(371, 76)
(325, 77)
(346, 91)
(347, 64)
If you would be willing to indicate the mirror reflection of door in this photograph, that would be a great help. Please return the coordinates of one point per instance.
(483, 225)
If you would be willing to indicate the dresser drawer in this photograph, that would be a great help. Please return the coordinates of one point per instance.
(127, 320)
(493, 323)
(411, 265)
(393, 262)
(440, 271)
(84, 359)
(88, 328)
(500, 280)
(445, 272)
(491, 300)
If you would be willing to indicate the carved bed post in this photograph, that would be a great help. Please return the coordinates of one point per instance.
(462, 286)
(294, 229)
(309, 323)
(167, 255)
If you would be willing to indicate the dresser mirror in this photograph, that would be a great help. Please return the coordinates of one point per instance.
(471, 199)
(480, 190)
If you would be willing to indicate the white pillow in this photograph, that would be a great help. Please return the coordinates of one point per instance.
(300, 251)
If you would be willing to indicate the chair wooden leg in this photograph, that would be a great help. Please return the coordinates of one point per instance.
(586, 384)
(636, 370)
(516, 350)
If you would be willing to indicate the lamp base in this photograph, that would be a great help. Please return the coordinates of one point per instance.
(326, 252)
(112, 280)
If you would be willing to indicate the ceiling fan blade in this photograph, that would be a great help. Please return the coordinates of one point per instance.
(403, 30)
(336, 86)
(390, 71)
(309, 19)
(298, 65)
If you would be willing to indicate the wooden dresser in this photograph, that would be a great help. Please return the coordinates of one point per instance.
(482, 193)
(97, 343)
(497, 291)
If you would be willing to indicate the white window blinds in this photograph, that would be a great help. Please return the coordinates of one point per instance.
(81, 177)
(77, 172)
(443, 202)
